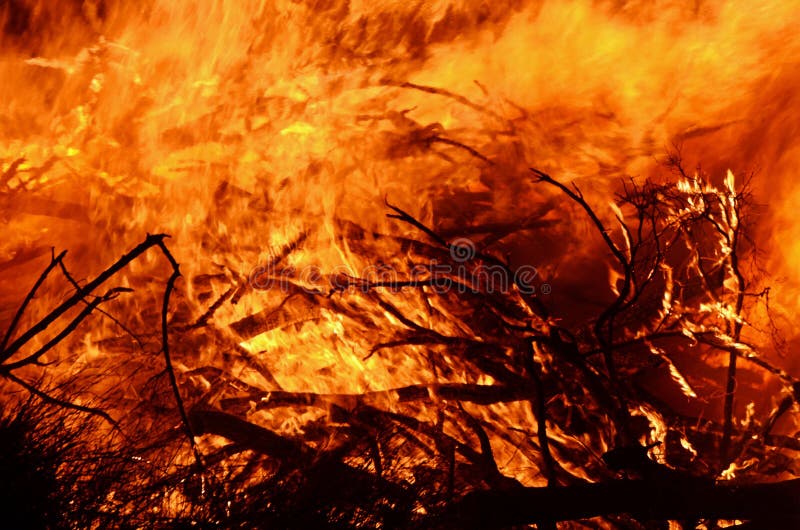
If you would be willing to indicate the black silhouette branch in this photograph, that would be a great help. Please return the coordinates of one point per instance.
(689, 499)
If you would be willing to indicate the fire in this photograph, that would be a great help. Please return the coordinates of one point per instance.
(271, 139)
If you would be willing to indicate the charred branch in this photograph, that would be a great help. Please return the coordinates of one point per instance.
(680, 500)
(150, 242)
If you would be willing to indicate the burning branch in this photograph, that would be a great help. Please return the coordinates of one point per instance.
(18, 315)
(173, 381)
(10, 349)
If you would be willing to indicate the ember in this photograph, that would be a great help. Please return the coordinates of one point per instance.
(442, 265)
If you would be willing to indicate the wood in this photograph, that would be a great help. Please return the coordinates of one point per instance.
(679, 499)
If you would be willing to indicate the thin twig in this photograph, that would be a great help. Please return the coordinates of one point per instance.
(69, 328)
(55, 260)
(60, 402)
(471, 150)
(604, 325)
(100, 310)
(149, 242)
(735, 326)
(539, 405)
(173, 381)
(410, 219)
